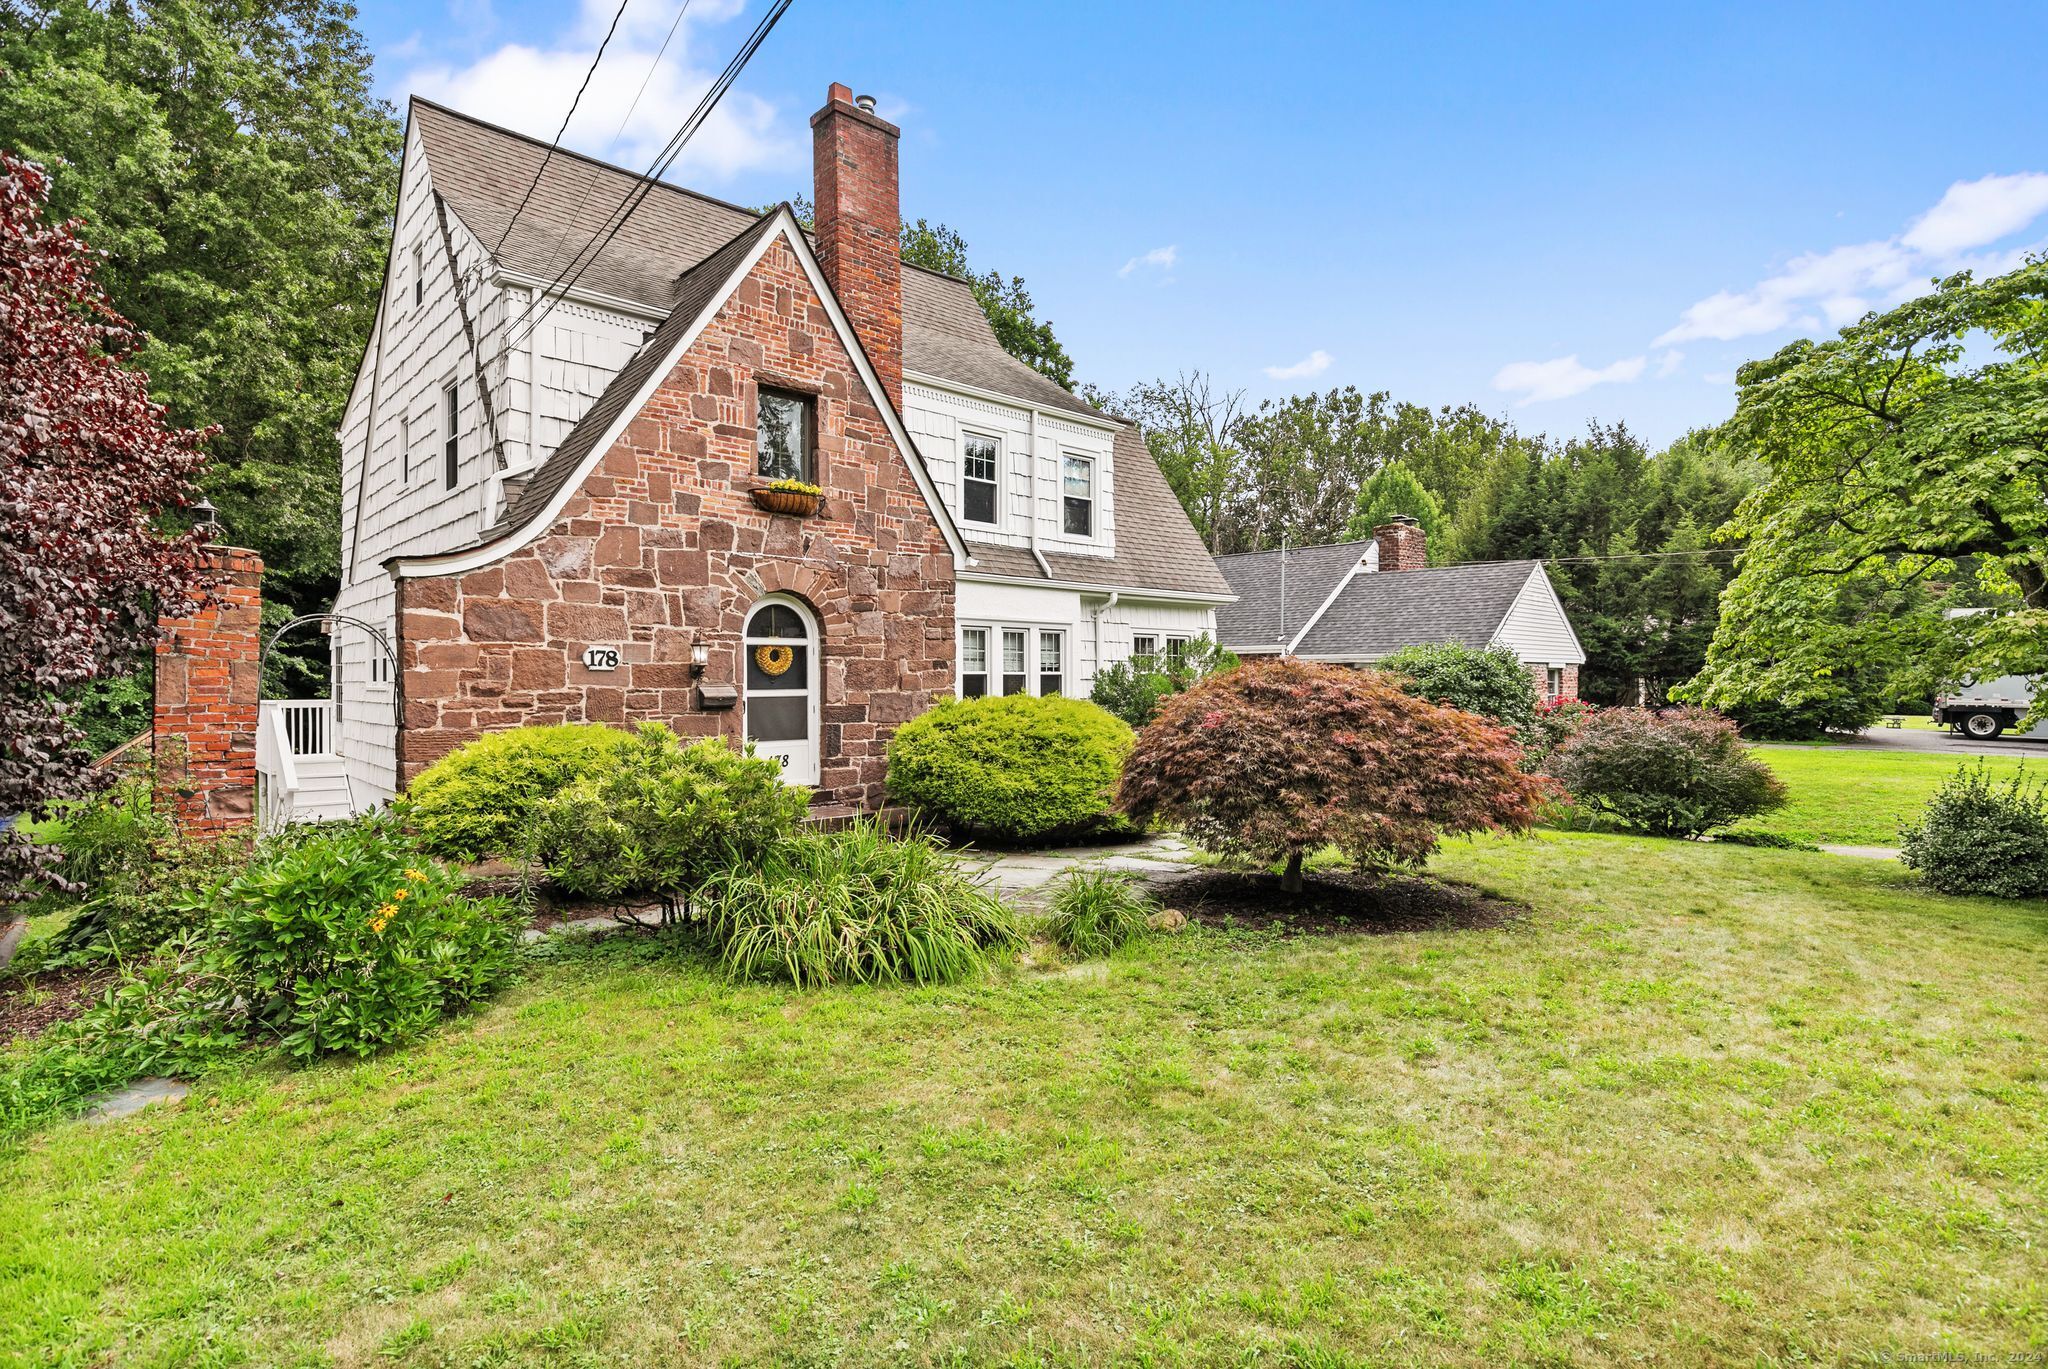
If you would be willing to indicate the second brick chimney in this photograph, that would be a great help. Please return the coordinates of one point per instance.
(853, 168)
(1403, 544)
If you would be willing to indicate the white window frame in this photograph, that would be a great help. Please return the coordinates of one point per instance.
(419, 274)
(405, 449)
(962, 672)
(1001, 454)
(994, 630)
(1094, 494)
(1144, 644)
(1057, 638)
(451, 434)
(1554, 679)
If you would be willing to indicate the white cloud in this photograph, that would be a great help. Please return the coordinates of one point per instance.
(529, 88)
(1830, 289)
(1314, 364)
(1561, 378)
(1668, 364)
(1162, 259)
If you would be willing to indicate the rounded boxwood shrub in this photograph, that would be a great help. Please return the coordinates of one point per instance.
(662, 817)
(1680, 773)
(1015, 769)
(478, 800)
(1980, 836)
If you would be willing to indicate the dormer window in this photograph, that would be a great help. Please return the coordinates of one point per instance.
(782, 435)
(1077, 488)
(980, 458)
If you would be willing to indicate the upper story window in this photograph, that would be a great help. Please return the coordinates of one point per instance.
(419, 274)
(1077, 488)
(980, 458)
(451, 416)
(404, 448)
(782, 435)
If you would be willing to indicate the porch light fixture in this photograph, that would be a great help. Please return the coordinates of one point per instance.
(700, 657)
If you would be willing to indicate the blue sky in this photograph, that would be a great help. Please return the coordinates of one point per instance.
(1560, 212)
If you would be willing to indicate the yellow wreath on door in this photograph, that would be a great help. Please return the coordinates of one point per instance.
(774, 660)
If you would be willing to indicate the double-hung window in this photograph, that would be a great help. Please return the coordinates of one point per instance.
(980, 458)
(782, 435)
(1052, 658)
(451, 415)
(1077, 489)
(419, 275)
(1015, 681)
(1176, 648)
(1144, 647)
(973, 662)
(405, 449)
(1555, 685)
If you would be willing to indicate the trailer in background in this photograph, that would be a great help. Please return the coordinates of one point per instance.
(1986, 710)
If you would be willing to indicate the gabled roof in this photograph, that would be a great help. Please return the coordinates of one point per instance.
(1258, 620)
(660, 257)
(1374, 613)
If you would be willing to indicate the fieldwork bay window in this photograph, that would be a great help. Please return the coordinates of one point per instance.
(1077, 490)
(782, 435)
(980, 459)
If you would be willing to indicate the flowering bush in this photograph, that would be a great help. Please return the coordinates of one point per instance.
(1679, 773)
(1280, 757)
(347, 938)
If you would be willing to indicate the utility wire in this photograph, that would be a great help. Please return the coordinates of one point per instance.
(591, 71)
(1639, 556)
(644, 185)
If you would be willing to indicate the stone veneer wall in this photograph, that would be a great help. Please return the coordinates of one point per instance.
(203, 723)
(662, 547)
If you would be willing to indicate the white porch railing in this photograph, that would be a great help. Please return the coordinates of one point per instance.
(308, 724)
(277, 773)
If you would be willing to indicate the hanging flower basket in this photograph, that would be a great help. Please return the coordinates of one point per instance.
(792, 497)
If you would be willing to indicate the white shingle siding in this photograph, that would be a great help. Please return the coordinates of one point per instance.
(937, 418)
(1536, 628)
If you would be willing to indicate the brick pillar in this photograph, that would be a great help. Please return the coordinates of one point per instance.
(853, 172)
(1403, 544)
(207, 685)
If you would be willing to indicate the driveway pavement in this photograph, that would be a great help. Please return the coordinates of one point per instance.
(1910, 739)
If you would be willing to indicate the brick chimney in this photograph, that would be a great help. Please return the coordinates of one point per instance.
(853, 168)
(1403, 544)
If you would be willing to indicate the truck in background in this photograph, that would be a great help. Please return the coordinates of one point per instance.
(1981, 711)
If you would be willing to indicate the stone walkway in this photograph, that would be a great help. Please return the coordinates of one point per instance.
(1864, 852)
(1023, 876)
(141, 1094)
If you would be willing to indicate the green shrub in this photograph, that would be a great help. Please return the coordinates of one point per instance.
(1095, 911)
(1980, 836)
(1016, 769)
(661, 817)
(478, 800)
(1492, 683)
(855, 906)
(349, 938)
(1679, 773)
(1134, 689)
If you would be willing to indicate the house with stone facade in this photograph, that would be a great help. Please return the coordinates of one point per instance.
(1355, 602)
(557, 459)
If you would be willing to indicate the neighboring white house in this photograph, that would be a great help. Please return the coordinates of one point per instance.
(1078, 552)
(1355, 602)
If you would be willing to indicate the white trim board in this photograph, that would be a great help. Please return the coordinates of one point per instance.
(784, 228)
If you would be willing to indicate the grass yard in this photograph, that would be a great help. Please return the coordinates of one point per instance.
(1855, 797)
(1705, 1104)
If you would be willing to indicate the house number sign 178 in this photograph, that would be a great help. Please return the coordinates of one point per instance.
(601, 658)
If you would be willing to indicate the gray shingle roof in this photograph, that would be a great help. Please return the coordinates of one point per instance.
(1383, 612)
(1255, 621)
(483, 171)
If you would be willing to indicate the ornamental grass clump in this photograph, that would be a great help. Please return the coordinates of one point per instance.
(1282, 757)
(855, 906)
(1094, 911)
(1679, 773)
(1981, 837)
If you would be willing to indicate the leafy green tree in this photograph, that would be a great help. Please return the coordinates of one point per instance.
(232, 165)
(1007, 303)
(1190, 428)
(1910, 450)
(1393, 490)
(1491, 682)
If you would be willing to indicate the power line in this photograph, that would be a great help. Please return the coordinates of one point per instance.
(590, 181)
(1640, 556)
(644, 185)
(591, 71)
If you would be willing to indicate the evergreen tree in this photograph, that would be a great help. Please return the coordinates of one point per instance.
(1391, 492)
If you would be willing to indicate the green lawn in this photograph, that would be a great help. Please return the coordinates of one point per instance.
(1705, 1104)
(1855, 797)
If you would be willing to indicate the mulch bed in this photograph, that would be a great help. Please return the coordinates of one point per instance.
(1337, 904)
(29, 1006)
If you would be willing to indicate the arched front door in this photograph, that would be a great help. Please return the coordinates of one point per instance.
(782, 686)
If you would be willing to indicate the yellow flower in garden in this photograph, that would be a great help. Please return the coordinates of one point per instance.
(417, 876)
(401, 895)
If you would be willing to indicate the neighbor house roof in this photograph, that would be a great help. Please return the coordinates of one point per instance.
(1373, 613)
(484, 172)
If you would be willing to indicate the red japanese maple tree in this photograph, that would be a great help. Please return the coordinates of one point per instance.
(1278, 758)
(87, 468)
